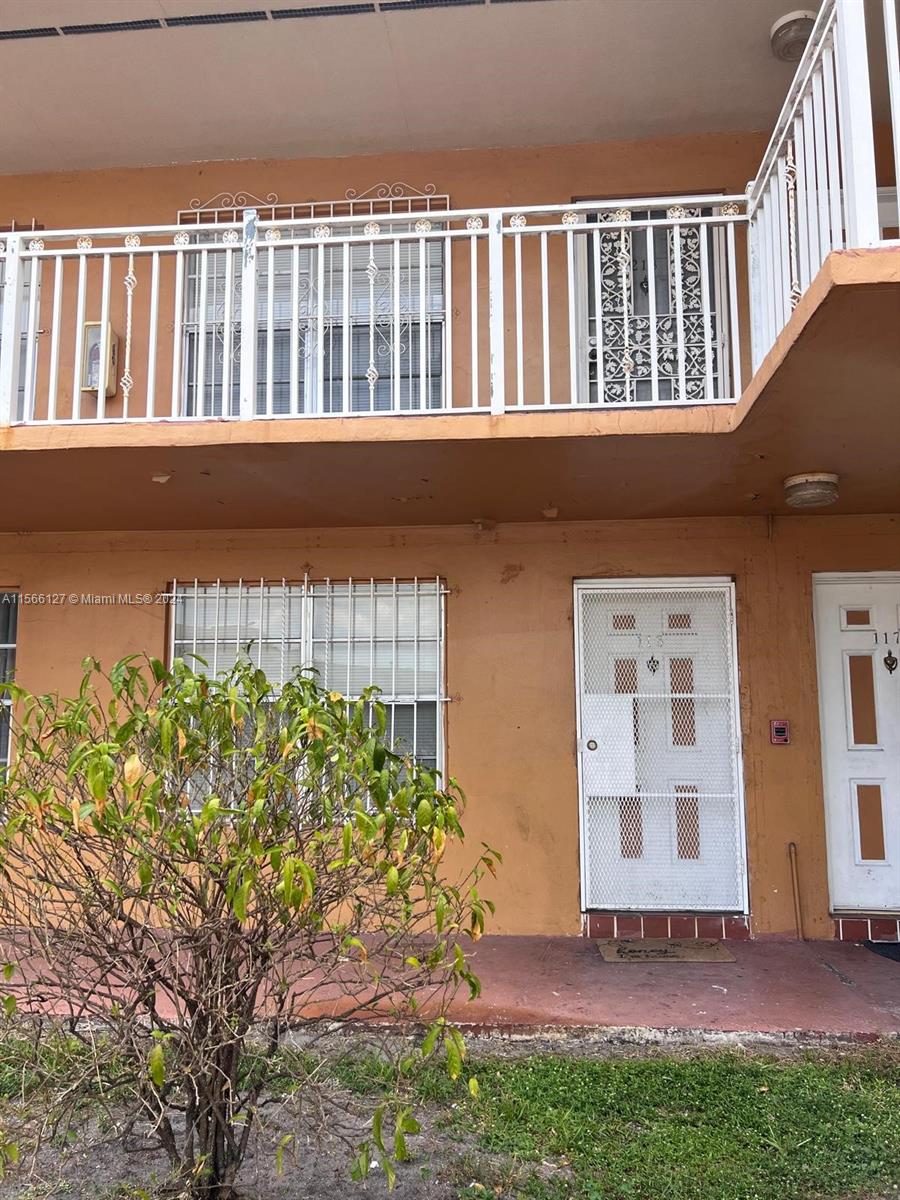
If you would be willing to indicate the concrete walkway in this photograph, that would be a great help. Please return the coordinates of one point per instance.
(818, 988)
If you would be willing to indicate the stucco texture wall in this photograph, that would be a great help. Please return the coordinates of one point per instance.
(510, 662)
(503, 176)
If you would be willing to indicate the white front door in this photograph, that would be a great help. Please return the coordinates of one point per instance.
(659, 746)
(858, 647)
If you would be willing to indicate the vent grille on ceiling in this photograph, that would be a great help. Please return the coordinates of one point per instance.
(321, 10)
(219, 18)
(8, 35)
(233, 18)
(110, 26)
(399, 5)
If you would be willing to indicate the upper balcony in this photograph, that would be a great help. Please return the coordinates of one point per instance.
(253, 321)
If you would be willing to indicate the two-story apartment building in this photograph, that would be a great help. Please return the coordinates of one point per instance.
(443, 345)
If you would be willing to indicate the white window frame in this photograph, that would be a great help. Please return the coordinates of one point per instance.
(310, 590)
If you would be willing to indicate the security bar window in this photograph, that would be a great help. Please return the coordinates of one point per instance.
(636, 275)
(9, 611)
(354, 633)
(394, 300)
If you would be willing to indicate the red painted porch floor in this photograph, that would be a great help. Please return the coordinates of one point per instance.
(836, 989)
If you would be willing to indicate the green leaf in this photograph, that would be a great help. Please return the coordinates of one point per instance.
(392, 880)
(145, 874)
(360, 1168)
(424, 814)
(400, 1152)
(454, 1058)
(473, 1087)
(377, 1124)
(156, 1065)
(390, 1173)
(431, 1038)
(9, 1005)
(279, 1153)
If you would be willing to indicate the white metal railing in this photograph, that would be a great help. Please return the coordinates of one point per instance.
(609, 304)
(817, 188)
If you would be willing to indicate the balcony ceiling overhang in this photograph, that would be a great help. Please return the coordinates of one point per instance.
(827, 398)
(405, 77)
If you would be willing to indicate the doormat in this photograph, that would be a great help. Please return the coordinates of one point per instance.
(885, 949)
(689, 950)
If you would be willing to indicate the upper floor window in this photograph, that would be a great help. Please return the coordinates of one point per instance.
(354, 633)
(345, 325)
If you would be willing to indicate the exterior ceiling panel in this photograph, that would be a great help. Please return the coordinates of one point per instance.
(432, 78)
(824, 400)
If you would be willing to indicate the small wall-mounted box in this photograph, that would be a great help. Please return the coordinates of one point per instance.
(90, 359)
(780, 732)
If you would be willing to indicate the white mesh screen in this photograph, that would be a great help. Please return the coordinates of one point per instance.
(355, 633)
(660, 789)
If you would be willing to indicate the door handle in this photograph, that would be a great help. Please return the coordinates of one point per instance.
(591, 744)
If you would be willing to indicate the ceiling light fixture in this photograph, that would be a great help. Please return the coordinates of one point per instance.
(814, 489)
(790, 34)
(160, 477)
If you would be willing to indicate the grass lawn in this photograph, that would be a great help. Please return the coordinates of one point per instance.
(722, 1127)
(621, 1127)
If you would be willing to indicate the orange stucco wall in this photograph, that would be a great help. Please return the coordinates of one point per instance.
(473, 178)
(511, 719)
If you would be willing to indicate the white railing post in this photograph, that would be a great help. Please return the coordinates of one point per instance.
(495, 306)
(857, 138)
(753, 282)
(249, 323)
(10, 331)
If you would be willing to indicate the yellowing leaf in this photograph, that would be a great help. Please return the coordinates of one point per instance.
(473, 1087)
(133, 770)
(182, 741)
(335, 697)
(76, 815)
(313, 728)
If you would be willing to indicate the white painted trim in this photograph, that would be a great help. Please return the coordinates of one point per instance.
(660, 582)
(636, 583)
(841, 577)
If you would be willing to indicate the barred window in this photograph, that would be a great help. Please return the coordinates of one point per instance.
(354, 633)
(9, 611)
(381, 275)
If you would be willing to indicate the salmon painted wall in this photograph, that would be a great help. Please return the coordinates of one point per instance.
(511, 719)
(529, 175)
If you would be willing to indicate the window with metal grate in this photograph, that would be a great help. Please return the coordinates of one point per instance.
(353, 633)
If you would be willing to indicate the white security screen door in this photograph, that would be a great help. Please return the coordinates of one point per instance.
(659, 746)
(858, 646)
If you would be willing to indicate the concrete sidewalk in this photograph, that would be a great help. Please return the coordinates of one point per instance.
(834, 989)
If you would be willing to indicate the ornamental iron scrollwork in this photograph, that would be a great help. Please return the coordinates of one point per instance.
(621, 334)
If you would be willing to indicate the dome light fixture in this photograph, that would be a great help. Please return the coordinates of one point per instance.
(814, 489)
(790, 34)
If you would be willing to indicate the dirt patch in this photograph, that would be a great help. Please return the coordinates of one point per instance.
(291, 1157)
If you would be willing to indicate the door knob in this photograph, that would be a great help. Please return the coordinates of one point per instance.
(592, 745)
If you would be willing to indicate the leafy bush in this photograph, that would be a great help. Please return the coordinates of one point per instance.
(191, 867)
